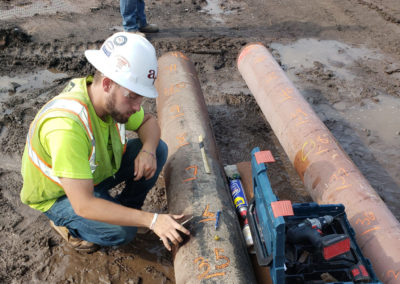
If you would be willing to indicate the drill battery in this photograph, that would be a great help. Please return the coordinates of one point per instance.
(303, 242)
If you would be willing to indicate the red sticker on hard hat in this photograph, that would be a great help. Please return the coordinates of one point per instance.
(120, 40)
(121, 63)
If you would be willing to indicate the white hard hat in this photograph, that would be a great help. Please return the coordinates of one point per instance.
(129, 60)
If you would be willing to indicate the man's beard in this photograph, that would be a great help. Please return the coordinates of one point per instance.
(116, 115)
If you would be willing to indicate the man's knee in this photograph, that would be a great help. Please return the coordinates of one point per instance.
(162, 153)
(119, 235)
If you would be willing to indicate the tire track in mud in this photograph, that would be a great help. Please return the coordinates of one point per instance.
(382, 10)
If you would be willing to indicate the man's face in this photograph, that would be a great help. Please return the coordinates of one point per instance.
(122, 103)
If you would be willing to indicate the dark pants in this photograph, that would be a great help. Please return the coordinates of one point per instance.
(133, 195)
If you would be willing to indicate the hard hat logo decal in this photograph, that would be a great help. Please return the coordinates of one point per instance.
(152, 75)
(121, 64)
(107, 48)
(120, 40)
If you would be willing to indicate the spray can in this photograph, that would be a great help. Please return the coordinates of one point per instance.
(239, 199)
(247, 234)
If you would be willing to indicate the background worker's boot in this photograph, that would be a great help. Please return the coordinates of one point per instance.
(149, 28)
(77, 244)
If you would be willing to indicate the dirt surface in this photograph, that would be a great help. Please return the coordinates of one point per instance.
(344, 57)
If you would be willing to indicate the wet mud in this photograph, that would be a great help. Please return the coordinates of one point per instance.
(343, 56)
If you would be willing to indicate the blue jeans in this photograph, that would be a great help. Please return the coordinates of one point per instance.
(133, 16)
(133, 195)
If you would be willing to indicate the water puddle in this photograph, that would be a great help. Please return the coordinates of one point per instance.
(213, 8)
(379, 117)
(29, 81)
(334, 55)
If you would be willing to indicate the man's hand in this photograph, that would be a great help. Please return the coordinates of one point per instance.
(167, 228)
(145, 165)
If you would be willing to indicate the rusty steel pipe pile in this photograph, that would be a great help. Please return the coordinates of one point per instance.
(193, 188)
(328, 173)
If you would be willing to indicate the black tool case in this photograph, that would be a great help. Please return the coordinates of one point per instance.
(300, 263)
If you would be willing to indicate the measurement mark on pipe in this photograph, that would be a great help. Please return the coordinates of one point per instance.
(260, 58)
(170, 68)
(300, 116)
(304, 152)
(182, 140)
(218, 257)
(179, 54)
(173, 89)
(370, 230)
(193, 172)
(368, 220)
(340, 175)
(176, 111)
(271, 76)
(321, 145)
(286, 93)
(392, 272)
(369, 217)
(205, 263)
(210, 216)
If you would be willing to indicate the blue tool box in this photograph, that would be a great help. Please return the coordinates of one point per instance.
(301, 262)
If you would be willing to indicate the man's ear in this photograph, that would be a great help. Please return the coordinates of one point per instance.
(106, 84)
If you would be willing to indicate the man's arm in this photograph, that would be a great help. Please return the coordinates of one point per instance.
(149, 133)
(86, 205)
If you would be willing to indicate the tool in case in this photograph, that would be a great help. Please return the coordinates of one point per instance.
(302, 242)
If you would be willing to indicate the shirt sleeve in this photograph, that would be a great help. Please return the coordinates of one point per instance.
(66, 142)
(135, 120)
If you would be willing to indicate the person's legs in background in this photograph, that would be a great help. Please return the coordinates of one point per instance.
(129, 12)
(134, 17)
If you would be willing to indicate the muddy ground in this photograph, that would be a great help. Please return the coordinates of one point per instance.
(343, 55)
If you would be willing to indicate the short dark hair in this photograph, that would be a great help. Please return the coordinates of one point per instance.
(97, 77)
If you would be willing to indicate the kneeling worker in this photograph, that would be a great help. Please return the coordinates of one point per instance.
(76, 151)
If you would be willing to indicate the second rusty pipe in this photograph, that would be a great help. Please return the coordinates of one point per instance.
(328, 173)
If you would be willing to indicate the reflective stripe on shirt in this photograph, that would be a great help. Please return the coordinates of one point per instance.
(68, 105)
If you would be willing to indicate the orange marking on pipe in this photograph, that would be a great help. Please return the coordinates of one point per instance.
(343, 187)
(194, 173)
(271, 76)
(176, 109)
(372, 229)
(286, 94)
(179, 55)
(218, 256)
(171, 67)
(300, 115)
(181, 140)
(395, 274)
(304, 157)
(369, 216)
(206, 220)
(259, 59)
(215, 275)
(174, 89)
(323, 140)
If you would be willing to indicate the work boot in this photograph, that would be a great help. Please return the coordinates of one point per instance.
(77, 244)
(137, 33)
(149, 28)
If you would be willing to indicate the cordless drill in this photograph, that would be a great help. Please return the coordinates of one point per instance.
(310, 232)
